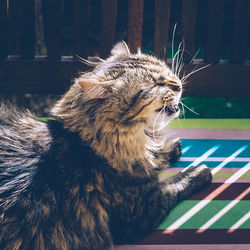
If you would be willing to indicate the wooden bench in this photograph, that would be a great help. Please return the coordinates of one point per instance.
(27, 72)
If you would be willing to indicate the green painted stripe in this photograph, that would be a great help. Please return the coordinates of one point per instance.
(237, 212)
(177, 212)
(211, 123)
(199, 123)
(44, 119)
(217, 175)
(166, 174)
(201, 217)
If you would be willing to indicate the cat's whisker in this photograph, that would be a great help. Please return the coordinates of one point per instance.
(179, 121)
(195, 71)
(192, 60)
(176, 59)
(87, 62)
(183, 110)
(189, 108)
(163, 122)
(173, 37)
(158, 115)
(179, 57)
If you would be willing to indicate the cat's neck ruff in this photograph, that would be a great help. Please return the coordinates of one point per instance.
(122, 146)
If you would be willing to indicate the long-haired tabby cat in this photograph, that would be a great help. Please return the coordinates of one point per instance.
(88, 178)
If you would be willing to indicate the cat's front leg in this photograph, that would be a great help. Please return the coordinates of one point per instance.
(170, 153)
(142, 208)
(187, 182)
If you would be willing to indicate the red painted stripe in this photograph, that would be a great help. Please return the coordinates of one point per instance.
(230, 193)
(184, 247)
(189, 236)
(218, 134)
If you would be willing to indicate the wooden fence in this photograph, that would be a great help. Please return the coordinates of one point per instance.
(27, 72)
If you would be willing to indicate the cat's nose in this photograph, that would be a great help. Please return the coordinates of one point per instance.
(174, 85)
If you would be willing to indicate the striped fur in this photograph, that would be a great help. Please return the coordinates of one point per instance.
(88, 178)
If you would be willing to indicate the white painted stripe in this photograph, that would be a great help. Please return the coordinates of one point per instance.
(191, 212)
(185, 149)
(223, 211)
(202, 158)
(185, 217)
(216, 159)
(240, 222)
(218, 215)
(228, 159)
(238, 174)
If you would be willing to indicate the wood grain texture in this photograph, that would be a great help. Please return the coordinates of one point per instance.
(221, 80)
(162, 16)
(3, 29)
(27, 45)
(109, 13)
(39, 76)
(241, 23)
(215, 22)
(189, 12)
(14, 26)
(54, 29)
(81, 27)
(135, 22)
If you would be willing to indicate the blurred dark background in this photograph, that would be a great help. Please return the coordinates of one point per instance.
(207, 107)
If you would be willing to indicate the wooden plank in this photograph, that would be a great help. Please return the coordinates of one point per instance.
(162, 16)
(109, 14)
(215, 22)
(54, 29)
(3, 29)
(54, 77)
(27, 45)
(240, 28)
(218, 80)
(189, 13)
(135, 22)
(14, 21)
(81, 24)
(48, 77)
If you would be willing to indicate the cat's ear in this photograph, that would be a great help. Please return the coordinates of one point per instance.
(92, 88)
(120, 48)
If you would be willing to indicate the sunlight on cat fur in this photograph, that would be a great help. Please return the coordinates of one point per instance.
(88, 178)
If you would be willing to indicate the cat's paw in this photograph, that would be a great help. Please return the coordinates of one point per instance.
(201, 176)
(175, 154)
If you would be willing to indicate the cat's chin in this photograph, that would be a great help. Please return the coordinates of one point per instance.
(160, 120)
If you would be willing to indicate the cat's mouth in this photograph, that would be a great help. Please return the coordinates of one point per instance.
(169, 110)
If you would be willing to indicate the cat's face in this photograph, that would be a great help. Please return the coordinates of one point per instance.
(138, 88)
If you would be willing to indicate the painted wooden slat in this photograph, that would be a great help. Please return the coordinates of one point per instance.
(81, 23)
(47, 77)
(3, 29)
(189, 12)
(215, 81)
(218, 80)
(215, 22)
(13, 23)
(27, 44)
(109, 14)
(162, 16)
(135, 22)
(240, 31)
(54, 29)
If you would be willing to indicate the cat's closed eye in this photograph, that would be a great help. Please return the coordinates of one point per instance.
(171, 84)
(162, 84)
